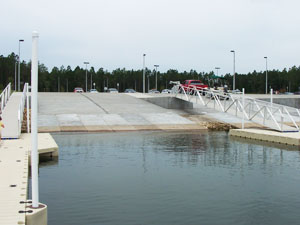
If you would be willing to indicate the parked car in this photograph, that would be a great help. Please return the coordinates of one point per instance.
(112, 90)
(153, 91)
(129, 91)
(93, 91)
(188, 84)
(78, 90)
(166, 91)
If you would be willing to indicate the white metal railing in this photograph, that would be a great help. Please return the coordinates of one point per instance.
(4, 96)
(25, 96)
(268, 114)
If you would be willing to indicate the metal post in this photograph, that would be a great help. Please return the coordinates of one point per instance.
(271, 100)
(21, 40)
(243, 121)
(34, 119)
(148, 83)
(16, 76)
(266, 74)
(156, 76)
(86, 63)
(144, 72)
(58, 84)
(27, 109)
(91, 80)
(233, 86)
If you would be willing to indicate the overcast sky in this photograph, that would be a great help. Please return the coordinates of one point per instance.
(177, 34)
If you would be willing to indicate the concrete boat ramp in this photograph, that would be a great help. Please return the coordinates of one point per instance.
(89, 112)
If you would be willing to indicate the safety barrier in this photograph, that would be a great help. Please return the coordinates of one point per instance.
(4, 96)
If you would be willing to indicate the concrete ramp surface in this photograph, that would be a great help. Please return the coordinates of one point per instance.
(10, 117)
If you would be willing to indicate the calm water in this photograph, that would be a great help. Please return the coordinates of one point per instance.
(169, 178)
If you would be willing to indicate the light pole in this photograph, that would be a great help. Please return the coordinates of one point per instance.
(86, 63)
(91, 80)
(148, 83)
(156, 76)
(217, 68)
(144, 71)
(58, 84)
(21, 40)
(16, 64)
(266, 74)
(233, 69)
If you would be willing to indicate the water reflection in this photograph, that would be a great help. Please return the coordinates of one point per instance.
(170, 178)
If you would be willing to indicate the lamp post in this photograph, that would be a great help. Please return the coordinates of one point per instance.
(217, 68)
(156, 76)
(91, 80)
(233, 69)
(266, 74)
(16, 64)
(86, 63)
(148, 83)
(144, 71)
(21, 40)
(58, 84)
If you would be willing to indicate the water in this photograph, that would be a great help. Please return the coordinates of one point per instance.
(169, 178)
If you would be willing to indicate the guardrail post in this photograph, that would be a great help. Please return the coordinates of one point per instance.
(27, 108)
(34, 137)
(243, 121)
(271, 100)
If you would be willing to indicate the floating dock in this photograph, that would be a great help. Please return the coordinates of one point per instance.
(14, 169)
(289, 138)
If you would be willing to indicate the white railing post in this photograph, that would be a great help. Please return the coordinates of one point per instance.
(243, 121)
(271, 100)
(27, 109)
(34, 136)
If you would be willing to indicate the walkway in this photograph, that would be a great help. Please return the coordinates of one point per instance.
(14, 164)
(10, 117)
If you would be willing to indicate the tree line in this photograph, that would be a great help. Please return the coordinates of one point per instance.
(65, 79)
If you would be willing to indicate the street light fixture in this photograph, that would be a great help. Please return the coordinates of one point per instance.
(86, 63)
(21, 40)
(156, 76)
(266, 74)
(144, 71)
(233, 69)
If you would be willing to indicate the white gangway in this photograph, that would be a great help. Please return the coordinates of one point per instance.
(274, 116)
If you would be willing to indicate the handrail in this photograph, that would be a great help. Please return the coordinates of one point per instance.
(4, 96)
(21, 107)
(273, 115)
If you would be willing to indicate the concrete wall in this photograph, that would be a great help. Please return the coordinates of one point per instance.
(170, 102)
(292, 102)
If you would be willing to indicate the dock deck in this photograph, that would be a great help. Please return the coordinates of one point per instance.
(288, 138)
(14, 168)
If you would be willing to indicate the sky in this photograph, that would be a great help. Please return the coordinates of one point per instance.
(175, 34)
